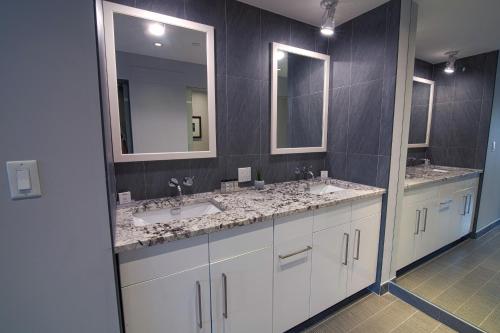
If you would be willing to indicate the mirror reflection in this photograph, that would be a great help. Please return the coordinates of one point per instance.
(300, 104)
(421, 112)
(446, 247)
(162, 86)
(300, 100)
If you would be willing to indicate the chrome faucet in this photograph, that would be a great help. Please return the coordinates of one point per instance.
(187, 181)
(308, 173)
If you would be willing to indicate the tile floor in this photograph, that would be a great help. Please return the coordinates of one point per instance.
(464, 281)
(379, 314)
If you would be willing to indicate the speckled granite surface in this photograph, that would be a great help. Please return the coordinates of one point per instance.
(420, 176)
(238, 209)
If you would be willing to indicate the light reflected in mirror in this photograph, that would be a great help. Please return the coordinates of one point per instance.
(421, 112)
(164, 107)
(162, 86)
(300, 79)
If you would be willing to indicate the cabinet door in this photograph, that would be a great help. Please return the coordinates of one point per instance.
(430, 232)
(445, 216)
(409, 226)
(292, 282)
(330, 262)
(176, 303)
(242, 293)
(364, 253)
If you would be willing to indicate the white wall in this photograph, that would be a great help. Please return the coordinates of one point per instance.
(489, 207)
(55, 251)
(158, 100)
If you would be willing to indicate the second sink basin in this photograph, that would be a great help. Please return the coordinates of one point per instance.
(165, 215)
(324, 189)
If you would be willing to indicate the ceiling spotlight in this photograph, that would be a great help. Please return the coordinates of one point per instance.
(450, 64)
(158, 44)
(328, 20)
(280, 55)
(156, 29)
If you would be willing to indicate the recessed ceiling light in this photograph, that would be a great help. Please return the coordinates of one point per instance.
(158, 44)
(156, 29)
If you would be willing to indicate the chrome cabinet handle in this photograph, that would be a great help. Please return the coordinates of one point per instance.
(470, 202)
(224, 290)
(418, 222)
(357, 233)
(466, 198)
(295, 253)
(425, 219)
(446, 202)
(198, 298)
(346, 237)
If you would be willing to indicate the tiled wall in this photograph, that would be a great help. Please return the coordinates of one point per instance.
(462, 112)
(362, 98)
(364, 55)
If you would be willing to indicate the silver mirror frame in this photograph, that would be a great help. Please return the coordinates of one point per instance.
(274, 99)
(118, 156)
(429, 114)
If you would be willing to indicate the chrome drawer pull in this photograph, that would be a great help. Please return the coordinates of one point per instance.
(358, 233)
(198, 298)
(224, 287)
(418, 222)
(466, 198)
(425, 219)
(346, 236)
(470, 202)
(295, 253)
(446, 202)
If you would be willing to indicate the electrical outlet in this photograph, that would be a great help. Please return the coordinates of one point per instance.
(244, 174)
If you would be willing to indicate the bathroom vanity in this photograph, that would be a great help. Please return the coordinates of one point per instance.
(265, 262)
(438, 209)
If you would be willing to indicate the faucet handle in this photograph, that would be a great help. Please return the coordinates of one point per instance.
(173, 182)
(188, 181)
(297, 171)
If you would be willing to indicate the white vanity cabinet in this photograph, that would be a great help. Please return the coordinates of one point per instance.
(167, 288)
(241, 271)
(344, 252)
(292, 270)
(433, 217)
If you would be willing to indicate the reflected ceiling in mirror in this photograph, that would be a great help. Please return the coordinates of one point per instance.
(162, 104)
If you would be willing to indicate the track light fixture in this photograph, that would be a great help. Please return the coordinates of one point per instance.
(450, 64)
(328, 20)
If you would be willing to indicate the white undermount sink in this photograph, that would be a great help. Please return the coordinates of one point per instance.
(324, 189)
(164, 215)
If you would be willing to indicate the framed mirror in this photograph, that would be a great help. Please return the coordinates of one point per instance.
(161, 85)
(299, 100)
(421, 112)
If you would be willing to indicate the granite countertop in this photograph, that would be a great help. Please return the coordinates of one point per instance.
(419, 176)
(238, 208)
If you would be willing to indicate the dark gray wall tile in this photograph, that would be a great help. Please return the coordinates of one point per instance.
(207, 173)
(336, 164)
(340, 51)
(362, 169)
(243, 40)
(303, 35)
(364, 118)
(423, 69)
(392, 38)
(464, 123)
(221, 109)
(469, 78)
(383, 168)
(243, 107)
(387, 115)
(274, 168)
(489, 74)
(337, 119)
(441, 118)
(368, 46)
(130, 177)
(158, 174)
(265, 118)
(315, 161)
(235, 162)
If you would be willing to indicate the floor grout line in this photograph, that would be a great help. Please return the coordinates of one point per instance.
(404, 321)
(367, 318)
(489, 315)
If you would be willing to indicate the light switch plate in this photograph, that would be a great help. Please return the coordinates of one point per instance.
(244, 174)
(23, 179)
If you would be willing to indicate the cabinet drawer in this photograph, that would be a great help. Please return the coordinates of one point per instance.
(329, 217)
(366, 208)
(240, 240)
(162, 260)
(422, 194)
(290, 227)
